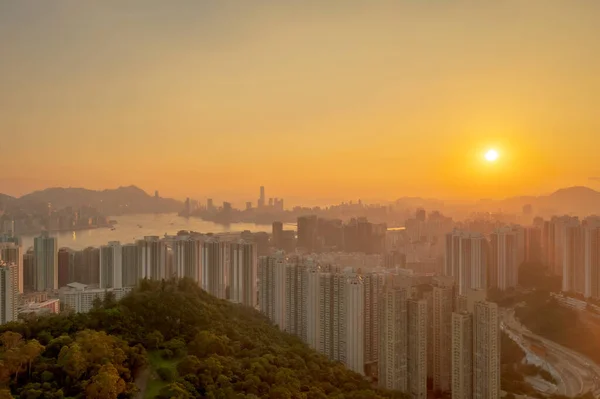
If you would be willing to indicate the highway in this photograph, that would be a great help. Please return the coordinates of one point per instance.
(576, 374)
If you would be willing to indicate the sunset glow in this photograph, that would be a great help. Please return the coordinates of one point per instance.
(491, 155)
(193, 107)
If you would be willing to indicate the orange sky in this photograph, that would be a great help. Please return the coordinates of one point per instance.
(341, 100)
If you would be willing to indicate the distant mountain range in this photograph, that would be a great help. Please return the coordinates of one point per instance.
(122, 200)
(580, 201)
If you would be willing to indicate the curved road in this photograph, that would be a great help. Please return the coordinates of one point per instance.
(576, 373)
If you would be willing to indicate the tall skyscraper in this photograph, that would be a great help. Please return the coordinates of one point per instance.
(131, 264)
(272, 296)
(417, 348)
(12, 252)
(443, 303)
(486, 348)
(504, 267)
(462, 355)
(393, 317)
(215, 267)
(261, 199)
(243, 274)
(153, 258)
(111, 265)
(9, 292)
(46, 263)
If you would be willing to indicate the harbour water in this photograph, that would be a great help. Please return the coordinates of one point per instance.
(132, 227)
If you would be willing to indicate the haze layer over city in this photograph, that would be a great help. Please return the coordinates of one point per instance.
(302, 200)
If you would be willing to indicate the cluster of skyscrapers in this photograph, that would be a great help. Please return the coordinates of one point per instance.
(386, 326)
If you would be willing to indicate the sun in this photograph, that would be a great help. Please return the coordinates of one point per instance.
(491, 155)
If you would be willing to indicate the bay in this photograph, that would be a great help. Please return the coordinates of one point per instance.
(133, 227)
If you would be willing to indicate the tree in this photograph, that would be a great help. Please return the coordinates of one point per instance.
(174, 391)
(10, 340)
(107, 384)
(72, 360)
(189, 365)
(5, 394)
(154, 340)
(30, 351)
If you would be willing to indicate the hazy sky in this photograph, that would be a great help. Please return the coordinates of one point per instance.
(315, 99)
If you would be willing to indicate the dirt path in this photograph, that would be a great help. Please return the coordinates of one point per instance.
(141, 380)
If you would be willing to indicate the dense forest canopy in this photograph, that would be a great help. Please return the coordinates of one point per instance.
(208, 347)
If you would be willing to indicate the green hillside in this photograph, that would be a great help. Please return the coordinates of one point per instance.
(167, 340)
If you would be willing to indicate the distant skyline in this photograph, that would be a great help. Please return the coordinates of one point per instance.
(333, 100)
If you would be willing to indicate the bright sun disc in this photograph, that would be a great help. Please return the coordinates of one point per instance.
(491, 155)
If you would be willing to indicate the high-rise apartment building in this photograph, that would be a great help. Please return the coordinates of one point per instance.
(277, 235)
(29, 274)
(295, 314)
(187, 257)
(154, 258)
(486, 351)
(311, 311)
(355, 325)
(307, 232)
(87, 266)
(592, 262)
(373, 287)
(131, 264)
(243, 273)
(65, 266)
(12, 252)
(462, 355)
(393, 341)
(443, 304)
(215, 267)
(271, 282)
(417, 348)
(533, 244)
(553, 237)
(9, 292)
(573, 275)
(467, 260)
(504, 267)
(46, 263)
(111, 265)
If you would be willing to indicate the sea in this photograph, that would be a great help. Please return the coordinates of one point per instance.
(133, 227)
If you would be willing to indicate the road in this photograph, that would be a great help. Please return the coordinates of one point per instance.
(576, 374)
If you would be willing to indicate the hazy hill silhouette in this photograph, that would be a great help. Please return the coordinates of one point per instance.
(117, 201)
(580, 201)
